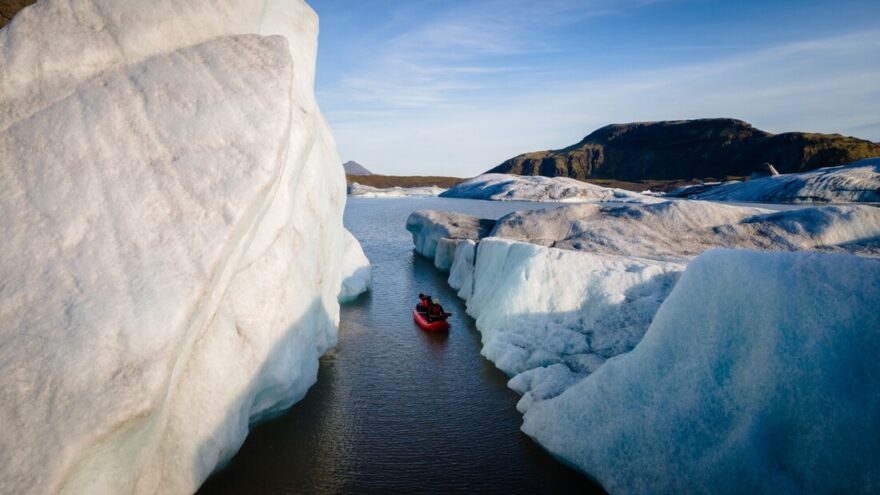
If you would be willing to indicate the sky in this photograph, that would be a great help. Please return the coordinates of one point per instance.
(455, 87)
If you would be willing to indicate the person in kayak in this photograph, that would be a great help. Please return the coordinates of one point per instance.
(424, 303)
(436, 313)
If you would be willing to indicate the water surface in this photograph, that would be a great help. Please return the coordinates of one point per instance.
(396, 409)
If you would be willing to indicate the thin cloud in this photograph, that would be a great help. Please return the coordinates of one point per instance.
(823, 85)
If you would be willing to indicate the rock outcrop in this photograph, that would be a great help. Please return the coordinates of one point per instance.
(687, 149)
(354, 168)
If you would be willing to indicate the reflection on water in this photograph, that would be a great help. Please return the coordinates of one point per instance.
(397, 409)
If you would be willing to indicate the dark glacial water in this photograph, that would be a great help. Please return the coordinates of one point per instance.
(396, 409)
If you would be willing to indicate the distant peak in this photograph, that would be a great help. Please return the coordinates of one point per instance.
(354, 168)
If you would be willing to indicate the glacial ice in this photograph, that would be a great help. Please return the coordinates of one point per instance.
(857, 182)
(561, 294)
(506, 187)
(680, 230)
(356, 270)
(759, 374)
(538, 306)
(429, 226)
(362, 191)
(171, 206)
(584, 281)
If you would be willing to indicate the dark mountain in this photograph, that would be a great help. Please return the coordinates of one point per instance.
(8, 9)
(354, 168)
(686, 149)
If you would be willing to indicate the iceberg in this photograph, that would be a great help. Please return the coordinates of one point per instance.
(362, 191)
(356, 270)
(506, 187)
(428, 227)
(561, 294)
(759, 374)
(171, 208)
(858, 182)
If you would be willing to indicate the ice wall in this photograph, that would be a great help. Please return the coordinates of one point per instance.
(538, 307)
(759, 374)
(171, 208)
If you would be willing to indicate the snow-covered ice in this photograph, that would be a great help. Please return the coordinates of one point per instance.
(759, 374)
(429, 226)
(853, 183)
(171, 210)
(680, 230)
(506, 187)
(362, 191)
(356, 270)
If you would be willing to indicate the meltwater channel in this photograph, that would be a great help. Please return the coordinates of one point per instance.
(396, 409)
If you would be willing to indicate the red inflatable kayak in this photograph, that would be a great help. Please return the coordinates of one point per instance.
(436, 326)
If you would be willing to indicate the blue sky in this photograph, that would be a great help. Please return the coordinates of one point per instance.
(424, 87)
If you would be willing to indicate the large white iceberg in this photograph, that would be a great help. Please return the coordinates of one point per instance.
(558, 292)
(759, 374)
(857, 182)
(171, 210)
(506, 187)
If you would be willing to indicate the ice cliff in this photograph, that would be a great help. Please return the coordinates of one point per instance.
(759, 374)
(171, 214)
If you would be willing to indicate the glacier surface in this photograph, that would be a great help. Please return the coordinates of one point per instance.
(506, 187)
(858, 182)
(680, 230)
(171, 208)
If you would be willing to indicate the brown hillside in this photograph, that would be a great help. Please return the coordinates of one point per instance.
(8, 9)
(686, 149)
(385, 181)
